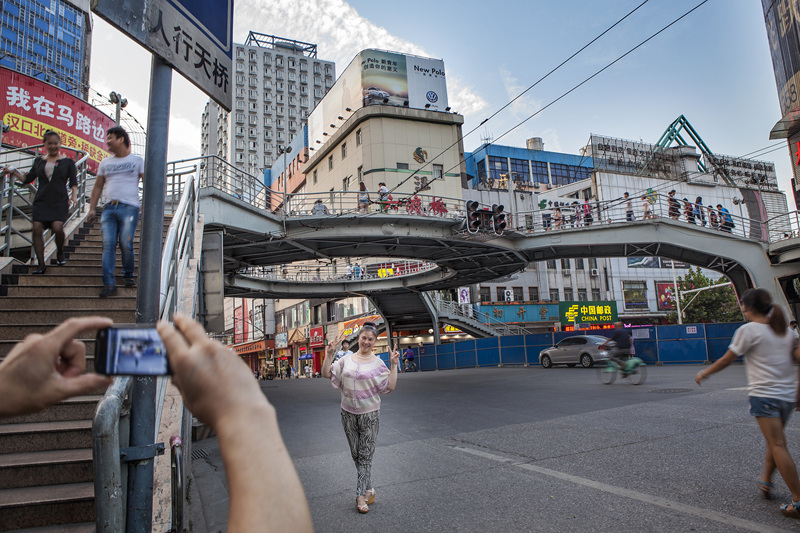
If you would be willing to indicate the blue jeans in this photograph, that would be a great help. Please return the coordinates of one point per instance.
(771, 408)
(119, 225)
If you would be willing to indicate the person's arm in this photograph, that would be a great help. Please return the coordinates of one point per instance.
(265, 491)
(330, 348)
(97, 190)
(718, 365)
(72, 175)
(45, 369)
(394, 359)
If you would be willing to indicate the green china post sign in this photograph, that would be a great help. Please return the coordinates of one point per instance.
(587, 312)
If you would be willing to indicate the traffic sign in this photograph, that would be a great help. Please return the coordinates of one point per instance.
(195, 37)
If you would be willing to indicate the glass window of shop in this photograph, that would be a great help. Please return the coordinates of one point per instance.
(566, 174)
(501, 294)
(498, 167)
(481, 165)
(520, 171)
(539, 170)
(486, 294)
(635, 295)
(553, 295)
(518, 297)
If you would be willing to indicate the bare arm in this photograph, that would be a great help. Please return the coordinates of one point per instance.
(330, 347)
(219, 388)
(393, 360)
(718, 365)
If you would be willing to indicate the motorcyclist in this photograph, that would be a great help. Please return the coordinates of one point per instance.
(618, 346)
(408, 357)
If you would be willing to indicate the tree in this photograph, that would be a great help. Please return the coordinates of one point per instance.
(715, 305)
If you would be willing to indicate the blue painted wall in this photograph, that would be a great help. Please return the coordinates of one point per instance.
(684, 344)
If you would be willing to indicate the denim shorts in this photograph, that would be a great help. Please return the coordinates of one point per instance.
(771, 408)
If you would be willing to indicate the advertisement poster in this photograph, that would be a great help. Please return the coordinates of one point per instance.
(32, 107)
(316, 337)
(463, 295)
(377, 77)
(238, 325)
(665, 292)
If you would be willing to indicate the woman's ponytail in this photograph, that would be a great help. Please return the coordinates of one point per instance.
(760, 301)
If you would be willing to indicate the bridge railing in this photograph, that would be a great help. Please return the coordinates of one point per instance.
(216, 173)
(16, 201)
(468, 312)
(566, 214)
(783, 227)
(338, 273)
(352, 202)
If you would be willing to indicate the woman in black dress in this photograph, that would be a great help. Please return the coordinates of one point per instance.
(51, 203)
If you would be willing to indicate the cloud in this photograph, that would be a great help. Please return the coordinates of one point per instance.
(340, 33)
(524, 106)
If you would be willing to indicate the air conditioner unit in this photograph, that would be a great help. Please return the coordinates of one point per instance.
(549, 186)
(566, 272)
(594, 272)
(536, 185)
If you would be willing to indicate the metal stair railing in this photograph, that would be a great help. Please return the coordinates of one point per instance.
(110, 428)
(14, 199)
(454, 311)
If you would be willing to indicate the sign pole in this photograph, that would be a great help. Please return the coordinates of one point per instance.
(143, 394)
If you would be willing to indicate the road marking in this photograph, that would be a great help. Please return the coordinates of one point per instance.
(633, 495)
(738, 388)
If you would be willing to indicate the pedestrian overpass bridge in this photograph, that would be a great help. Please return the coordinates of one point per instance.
(290, 249)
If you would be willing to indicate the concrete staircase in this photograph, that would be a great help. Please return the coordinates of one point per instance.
(46, 471)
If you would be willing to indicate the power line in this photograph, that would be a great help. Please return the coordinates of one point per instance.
(522, 93)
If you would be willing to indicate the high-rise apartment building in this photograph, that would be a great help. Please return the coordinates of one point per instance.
(277, 83)
(49, 40)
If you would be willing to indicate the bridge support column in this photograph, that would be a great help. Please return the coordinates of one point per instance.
(213, 308)
(437, 339)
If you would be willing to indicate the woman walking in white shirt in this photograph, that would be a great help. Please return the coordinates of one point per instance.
(769, 352)
(361, 378)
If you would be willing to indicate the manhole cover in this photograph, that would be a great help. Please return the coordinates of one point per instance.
(199, 454)
(670, 391)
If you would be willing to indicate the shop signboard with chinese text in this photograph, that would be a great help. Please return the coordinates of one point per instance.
(31, 107)
(352, 326)
(316, 337)
(252, 347)
(587, 312)
(516, 313)
(195, 37)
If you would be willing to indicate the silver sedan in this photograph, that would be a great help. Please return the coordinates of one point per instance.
(578, 349)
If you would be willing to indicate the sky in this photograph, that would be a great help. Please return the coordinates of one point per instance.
(713, 67)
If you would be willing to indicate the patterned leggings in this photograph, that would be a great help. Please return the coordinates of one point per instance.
(361, 431)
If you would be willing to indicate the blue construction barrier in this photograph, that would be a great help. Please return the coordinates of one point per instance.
(673, 344)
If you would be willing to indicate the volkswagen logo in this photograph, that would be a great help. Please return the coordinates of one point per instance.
(432, 97)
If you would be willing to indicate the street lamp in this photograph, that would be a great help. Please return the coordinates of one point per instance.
(120, 102)
(283, 151)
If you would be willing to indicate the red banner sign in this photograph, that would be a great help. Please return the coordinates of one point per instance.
(317, 336)
(31, 107)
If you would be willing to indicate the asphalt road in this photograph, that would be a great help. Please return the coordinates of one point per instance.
(528, 449)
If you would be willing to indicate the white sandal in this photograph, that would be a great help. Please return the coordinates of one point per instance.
(370, 496)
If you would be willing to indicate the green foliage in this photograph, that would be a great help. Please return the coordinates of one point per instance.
(715, 305)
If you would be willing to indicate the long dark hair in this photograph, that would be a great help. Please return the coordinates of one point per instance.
(760, 301)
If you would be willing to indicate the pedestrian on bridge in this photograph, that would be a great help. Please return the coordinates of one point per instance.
(699, 211)
(674, 205)
(713, 219)
(363, 198)
(362, 378)
(770, 353)
(587, 213)
(51, 204)
(121, 172)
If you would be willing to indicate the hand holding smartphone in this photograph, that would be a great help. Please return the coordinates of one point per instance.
(130, 350)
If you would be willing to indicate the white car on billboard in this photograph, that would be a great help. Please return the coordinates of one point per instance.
(375, 93)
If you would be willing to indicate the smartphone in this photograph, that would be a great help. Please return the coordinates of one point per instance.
(130, 350)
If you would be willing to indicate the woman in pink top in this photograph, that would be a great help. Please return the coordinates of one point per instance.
(361, 377)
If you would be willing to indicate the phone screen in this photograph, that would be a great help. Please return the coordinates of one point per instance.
(130, 350)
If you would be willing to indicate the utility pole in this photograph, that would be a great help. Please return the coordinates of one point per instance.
(677, 292)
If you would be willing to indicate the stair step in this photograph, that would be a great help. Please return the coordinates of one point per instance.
(51, 467)
(65, 291)
(46, 505)
(56, 316)
(92, 270)
(58, 279)
(92, 301)
(43, 436)
(84, 527)
(75, 408)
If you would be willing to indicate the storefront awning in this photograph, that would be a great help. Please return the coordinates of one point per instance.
(306, 356)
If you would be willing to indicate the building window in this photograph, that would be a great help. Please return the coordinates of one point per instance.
(344, 150)
(402, 166)
(486, 294)
(517, 294)
(501, 294)
(568, 294)
(592, 262)
(315, 176)
(438, 172)
(635, 295)
(582, 296)
(330, 162)
(579, 264)
(553, 295)
(498, 168)
(565, 264)
(519, 171)
(360, 174)
(596, 295)
(551, 264)
(358, 137)
(533, 294)
(345, 185)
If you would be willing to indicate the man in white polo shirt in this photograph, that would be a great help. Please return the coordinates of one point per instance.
(121, 171)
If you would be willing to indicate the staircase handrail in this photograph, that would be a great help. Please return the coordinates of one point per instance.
(109, 428)
(9, 190)
(454, 310)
